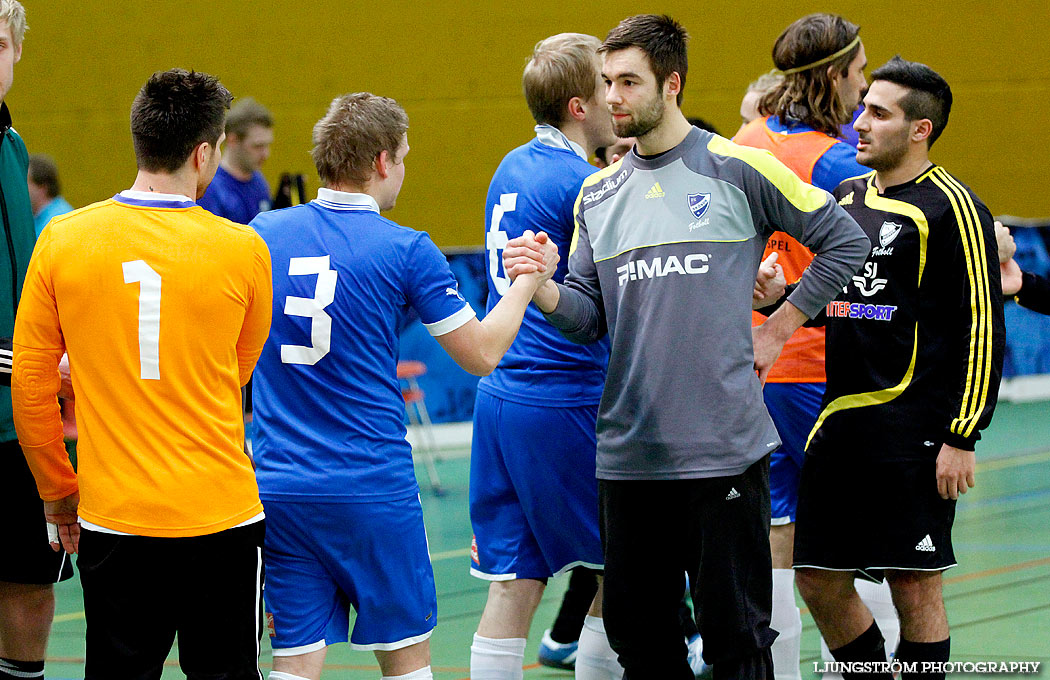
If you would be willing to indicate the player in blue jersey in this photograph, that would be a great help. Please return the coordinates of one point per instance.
(344, 522)
(534, 501)
(239, 191)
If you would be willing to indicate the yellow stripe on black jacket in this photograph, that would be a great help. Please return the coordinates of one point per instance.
(915, 341)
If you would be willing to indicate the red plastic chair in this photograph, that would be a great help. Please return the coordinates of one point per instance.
(408, 373)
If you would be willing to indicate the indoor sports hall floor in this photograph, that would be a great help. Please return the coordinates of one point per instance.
(998, 598)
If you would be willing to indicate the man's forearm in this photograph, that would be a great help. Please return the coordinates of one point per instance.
(38, 421)
(500, 326)
(547, 296)
(1034, 293)
(577, 316)
(478, 346)
(828, 273)
(840, 247)
(782, 323)
(769, 337)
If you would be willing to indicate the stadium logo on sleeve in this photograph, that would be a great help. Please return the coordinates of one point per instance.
(608, 185)
(698, 204)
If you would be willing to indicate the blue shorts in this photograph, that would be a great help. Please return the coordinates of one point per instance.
(533, 490)
(324, 558)
(794, 408)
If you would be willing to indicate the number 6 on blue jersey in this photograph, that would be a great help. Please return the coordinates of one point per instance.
(496, 240)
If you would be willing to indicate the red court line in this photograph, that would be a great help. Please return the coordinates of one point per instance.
(998, 570)
(525, 668)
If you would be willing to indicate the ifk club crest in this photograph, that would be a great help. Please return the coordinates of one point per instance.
(889, 232)
(698, 204)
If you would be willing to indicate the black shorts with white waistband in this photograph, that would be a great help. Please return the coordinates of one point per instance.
(872, 516)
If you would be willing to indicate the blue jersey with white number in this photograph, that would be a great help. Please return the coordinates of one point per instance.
(535, 187)
(329, 415)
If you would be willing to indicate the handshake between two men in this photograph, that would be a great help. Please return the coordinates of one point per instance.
(536, 253)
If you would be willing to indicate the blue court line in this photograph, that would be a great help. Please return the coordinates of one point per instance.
(1019, 459)
(969, 507)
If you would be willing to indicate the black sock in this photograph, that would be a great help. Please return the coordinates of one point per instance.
(20, 670)
(919, 652)
(868, 646)
(583, 584)
(688, 621)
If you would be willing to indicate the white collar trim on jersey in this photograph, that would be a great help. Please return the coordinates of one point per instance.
(154, 196)
(344, 200)
(552, 136)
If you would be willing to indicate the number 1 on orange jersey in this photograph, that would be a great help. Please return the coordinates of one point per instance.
(141, 273)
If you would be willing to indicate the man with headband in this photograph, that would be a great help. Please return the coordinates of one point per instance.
(821, 61)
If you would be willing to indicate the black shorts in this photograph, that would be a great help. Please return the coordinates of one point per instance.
(26, 555)
(717, 531)
(139, 592)
(870, 516)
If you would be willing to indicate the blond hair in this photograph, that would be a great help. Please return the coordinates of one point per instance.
(562, 66)
(765, 83)
(357, 128)
(14, 14)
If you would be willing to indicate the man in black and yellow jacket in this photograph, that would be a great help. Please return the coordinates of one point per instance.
(914, 358)
(28, 567)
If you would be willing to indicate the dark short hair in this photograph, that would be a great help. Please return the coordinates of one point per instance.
(929, 96)
(43, 171)
(662, 39)
(173, 113)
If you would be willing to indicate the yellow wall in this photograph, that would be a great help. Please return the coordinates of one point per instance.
(456, 68)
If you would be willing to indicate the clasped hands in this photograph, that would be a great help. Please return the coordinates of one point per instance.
(531, 254)
(536, 253)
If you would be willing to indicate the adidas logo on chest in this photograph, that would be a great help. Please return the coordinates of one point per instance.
(656, 191)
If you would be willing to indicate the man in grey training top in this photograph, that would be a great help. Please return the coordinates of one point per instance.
(667, 243)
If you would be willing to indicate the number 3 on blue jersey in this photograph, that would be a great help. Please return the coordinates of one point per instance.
(311, 308)
(496, 241)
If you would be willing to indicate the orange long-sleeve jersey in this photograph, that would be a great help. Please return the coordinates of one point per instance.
(163, 309)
